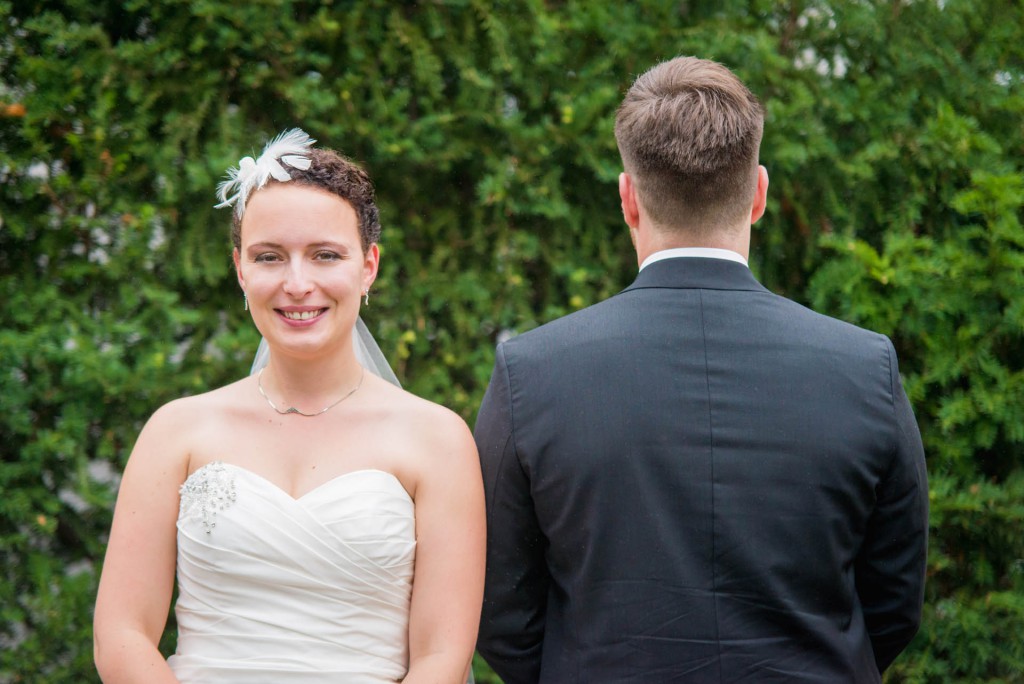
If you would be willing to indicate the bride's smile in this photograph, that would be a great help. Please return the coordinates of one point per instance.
(298, 315)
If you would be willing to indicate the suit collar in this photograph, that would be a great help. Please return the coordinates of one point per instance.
(696, 272)
(710, 252)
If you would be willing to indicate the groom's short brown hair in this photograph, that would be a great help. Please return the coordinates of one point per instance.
(689, 132)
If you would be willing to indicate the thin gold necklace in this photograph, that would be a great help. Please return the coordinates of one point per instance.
(292, 409)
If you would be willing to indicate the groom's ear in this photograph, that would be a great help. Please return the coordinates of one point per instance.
(760, 195)
(630, 205)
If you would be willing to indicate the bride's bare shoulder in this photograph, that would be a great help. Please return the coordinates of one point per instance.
(181, 428)
(433, 447)
(187, 414)
(423, 426)
(419, 413)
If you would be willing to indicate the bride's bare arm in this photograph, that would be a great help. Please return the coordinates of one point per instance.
(138, 572)
(450, 546)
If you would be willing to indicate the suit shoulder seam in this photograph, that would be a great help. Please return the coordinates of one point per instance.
(511, 404)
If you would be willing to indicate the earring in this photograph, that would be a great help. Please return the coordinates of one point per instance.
(245, 301)
(366, 297)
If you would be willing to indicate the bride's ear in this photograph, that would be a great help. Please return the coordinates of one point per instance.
(371, 262)
(237, 258)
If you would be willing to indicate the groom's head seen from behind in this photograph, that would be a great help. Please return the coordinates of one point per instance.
(689, 133)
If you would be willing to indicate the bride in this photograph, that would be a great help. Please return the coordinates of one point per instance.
(324, 524)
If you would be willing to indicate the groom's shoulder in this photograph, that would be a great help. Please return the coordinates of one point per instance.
(813, 334)
(561, 333)
(802, 318)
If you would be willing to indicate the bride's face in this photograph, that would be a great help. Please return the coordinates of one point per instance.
(302, 268)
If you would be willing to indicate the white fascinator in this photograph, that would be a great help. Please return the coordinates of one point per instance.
(291, 147)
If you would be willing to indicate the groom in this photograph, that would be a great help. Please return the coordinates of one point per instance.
(697, 480)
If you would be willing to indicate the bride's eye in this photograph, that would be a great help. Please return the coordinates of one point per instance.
(266, 257)
(326, 255)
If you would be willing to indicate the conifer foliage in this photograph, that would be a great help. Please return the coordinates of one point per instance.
(893, 140)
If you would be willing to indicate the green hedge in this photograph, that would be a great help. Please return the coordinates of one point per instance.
(893, 142)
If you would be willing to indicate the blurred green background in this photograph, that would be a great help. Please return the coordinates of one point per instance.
(894, 140)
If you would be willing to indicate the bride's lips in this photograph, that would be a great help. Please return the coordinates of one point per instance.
(300, 316)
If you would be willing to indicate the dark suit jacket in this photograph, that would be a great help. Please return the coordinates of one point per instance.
(699, 481)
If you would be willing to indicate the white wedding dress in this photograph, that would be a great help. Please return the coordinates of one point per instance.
(279, 590)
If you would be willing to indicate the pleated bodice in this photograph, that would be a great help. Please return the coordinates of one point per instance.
(285, 590)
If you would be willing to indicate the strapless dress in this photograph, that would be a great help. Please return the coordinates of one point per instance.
(278, 590)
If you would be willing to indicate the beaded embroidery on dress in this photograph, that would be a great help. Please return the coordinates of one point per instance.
(274, 589)
(211, 491)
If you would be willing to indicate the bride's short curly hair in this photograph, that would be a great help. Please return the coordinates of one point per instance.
(334, 173)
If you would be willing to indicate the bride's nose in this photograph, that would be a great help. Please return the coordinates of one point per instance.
(298, 281)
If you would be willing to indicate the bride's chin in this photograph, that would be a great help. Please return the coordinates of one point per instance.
(305, 348)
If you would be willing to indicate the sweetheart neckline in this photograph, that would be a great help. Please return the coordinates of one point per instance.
(298, 499)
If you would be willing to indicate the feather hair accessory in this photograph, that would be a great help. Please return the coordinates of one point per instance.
(290, 147)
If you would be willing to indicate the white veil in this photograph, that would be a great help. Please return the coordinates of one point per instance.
(367, 352)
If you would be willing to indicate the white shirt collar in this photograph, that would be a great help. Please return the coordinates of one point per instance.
(706, 252)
